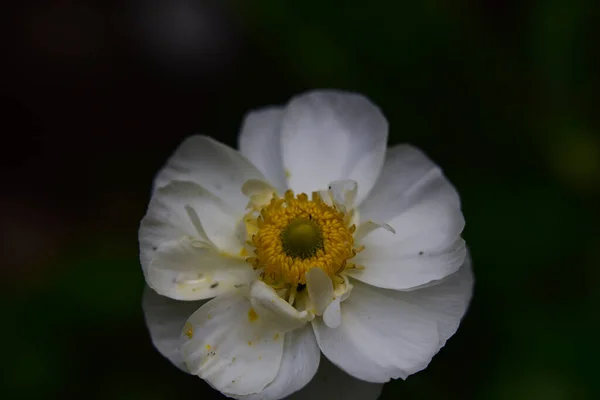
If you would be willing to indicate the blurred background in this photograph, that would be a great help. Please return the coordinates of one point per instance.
(95, 95)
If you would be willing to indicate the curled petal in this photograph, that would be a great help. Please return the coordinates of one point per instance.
(278, 312)
(185, 209)
(320, 289)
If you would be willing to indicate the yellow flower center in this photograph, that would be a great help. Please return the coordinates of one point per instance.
(302, 238)
(296, 234)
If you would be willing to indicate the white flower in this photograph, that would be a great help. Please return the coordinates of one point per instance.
(363, 261)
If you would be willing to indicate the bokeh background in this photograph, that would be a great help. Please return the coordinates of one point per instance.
(95, 95)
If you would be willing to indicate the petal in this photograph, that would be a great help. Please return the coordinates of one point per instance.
(408, 177)
(341, 194)
(260, 142)
(330, 382)
(332, 135)
(344, 289)
(426, 247)
(320, 289)
(333, 315)
(447, 300)
(344, 193)
(216, 167)
(382, 336)
(165, 319)
(233, 352)
(184, 209)
(259, 193)
(299, 365)
(182, 271)
(365, 228)
(278, 312)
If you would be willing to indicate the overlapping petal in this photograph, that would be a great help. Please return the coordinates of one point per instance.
(299, 364)
(260, 142)
(183, 271)
(185, 209)
(274, 310)
(407, 178)
(414, 198)
(165, 319)
(447, 300)
(232, 350)
(216, 167)
(320, 289)
(330, 383)
(331, 135)
(392, 334)
(382, 336)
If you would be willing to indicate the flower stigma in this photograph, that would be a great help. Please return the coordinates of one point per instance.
(294, 234)
(302, 238)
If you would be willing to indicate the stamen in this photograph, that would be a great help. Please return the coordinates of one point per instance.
(295, 234)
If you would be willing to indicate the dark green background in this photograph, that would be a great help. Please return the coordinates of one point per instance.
(502, 94)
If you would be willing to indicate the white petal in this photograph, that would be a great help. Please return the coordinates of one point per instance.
(184, 209)
(447, 300)
(382, 336)
(331, 383)
(341, 194)
(260, 142)
(345, 289)
(233, 352)
(366, 227)
(426, 247)
(298, 366)
(332, 315)
(165, 319)
(216, 167)
(182, 271)
(408, 177)
(332, 135)
(259, 193)
(278, 312)
(320, 289)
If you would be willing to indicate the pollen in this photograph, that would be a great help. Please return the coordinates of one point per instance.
(189, 331)
(252, 315)
(296, 234)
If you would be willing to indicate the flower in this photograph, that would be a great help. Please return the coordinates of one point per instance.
(313, 238)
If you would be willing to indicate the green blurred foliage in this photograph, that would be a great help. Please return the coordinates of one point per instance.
(503, 95)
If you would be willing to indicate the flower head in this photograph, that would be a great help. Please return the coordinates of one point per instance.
(313, 238)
